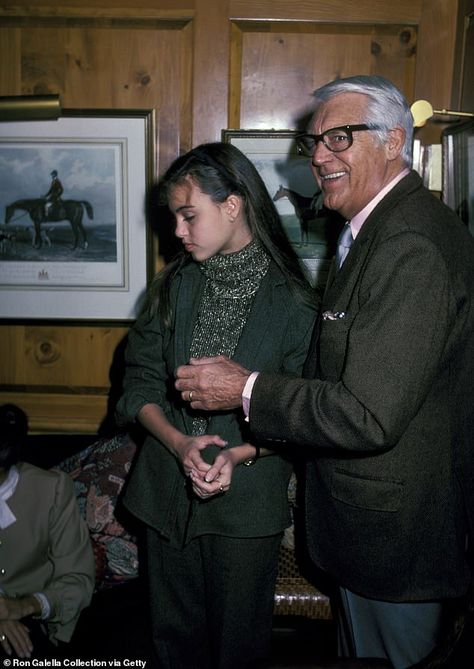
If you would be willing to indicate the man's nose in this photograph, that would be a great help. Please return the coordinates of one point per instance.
(321, 153)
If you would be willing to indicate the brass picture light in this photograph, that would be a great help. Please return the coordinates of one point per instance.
(422, 111)
(30, 108)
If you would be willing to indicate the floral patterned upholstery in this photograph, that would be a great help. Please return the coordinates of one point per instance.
(99, 472)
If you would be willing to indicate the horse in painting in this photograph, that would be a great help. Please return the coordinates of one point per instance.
(64, 210)
(303, 206)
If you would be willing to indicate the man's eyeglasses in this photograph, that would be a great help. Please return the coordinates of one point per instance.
(335, 139)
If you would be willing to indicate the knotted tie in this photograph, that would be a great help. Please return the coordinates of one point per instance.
(344, 243)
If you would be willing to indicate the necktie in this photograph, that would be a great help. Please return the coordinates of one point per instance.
(344, 243)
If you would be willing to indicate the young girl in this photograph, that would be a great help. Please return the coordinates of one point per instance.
(214, 503)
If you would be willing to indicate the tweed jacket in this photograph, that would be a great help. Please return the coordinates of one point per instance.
(47, 549)
(275, 338)
(386, 411)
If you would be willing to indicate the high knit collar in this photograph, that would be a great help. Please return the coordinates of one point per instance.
(231, 271)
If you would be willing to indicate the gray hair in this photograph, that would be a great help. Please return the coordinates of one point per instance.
(387, 107)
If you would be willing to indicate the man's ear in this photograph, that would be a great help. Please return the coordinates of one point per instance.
(394, 145)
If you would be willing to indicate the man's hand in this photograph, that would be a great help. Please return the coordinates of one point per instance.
(212, 383)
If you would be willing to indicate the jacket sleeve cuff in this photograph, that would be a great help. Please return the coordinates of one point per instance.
(247, 394)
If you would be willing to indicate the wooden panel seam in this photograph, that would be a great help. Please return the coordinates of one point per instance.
(382, 11)
(48, 390)
(326, 27)
(97, 12)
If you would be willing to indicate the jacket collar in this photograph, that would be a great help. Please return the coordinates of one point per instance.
(341, 282)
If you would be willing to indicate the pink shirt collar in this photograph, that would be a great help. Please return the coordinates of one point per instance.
(358, 220)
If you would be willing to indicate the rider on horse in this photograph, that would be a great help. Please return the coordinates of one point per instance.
(53, 196)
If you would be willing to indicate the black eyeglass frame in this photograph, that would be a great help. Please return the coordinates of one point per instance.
(320, 138)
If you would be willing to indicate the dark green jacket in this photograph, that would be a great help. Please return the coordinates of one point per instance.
(275, 338)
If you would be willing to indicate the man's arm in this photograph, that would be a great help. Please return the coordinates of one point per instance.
(392, 356)
(388, 359)
(212, 384)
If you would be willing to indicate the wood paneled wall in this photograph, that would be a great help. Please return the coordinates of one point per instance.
(203, 65)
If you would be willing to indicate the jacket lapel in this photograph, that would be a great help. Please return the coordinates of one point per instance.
(339, 293)
(186, 305)
(258, 329)
(341, 284)
(188, 296)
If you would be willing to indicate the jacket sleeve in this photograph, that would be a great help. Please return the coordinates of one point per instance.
(145, 378)
(381, 360)
(297, 337)
(70, 551)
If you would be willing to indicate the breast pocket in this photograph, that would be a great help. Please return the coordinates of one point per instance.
(333, 340)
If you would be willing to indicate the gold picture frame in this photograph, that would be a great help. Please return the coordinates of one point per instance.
(99, 268)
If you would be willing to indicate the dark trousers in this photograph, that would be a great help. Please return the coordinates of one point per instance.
(212, 601)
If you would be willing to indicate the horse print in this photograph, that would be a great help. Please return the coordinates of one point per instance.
(64, 210)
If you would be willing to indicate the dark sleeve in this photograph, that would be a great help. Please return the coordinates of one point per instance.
(145, 379)
(297, 338)
(388, 360)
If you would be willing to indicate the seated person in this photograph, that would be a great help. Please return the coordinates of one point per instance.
(47, 564)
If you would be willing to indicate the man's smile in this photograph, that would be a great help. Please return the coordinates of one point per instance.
(333, 175)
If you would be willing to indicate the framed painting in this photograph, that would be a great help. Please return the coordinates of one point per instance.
(458, 170)
(290, 183)
(73, 240)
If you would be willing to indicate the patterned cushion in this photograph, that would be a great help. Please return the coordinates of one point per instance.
(99, 473)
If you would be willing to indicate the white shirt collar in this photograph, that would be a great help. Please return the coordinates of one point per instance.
(359, 219)
(7, 488)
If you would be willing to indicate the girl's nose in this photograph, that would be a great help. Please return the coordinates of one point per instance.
(180, 229)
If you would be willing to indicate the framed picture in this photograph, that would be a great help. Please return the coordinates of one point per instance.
(291, 184)
(73, 192)
(458, 170)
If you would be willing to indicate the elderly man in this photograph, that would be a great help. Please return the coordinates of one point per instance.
(385, 408)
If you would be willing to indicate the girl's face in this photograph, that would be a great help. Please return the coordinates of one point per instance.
(205, 227)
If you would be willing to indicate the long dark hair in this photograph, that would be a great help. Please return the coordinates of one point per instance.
(221, 170)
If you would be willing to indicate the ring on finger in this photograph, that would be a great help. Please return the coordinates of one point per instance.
(190, 395)
(2, 638)
(221, 488)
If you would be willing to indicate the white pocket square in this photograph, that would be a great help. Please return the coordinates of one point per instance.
(333, 315)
